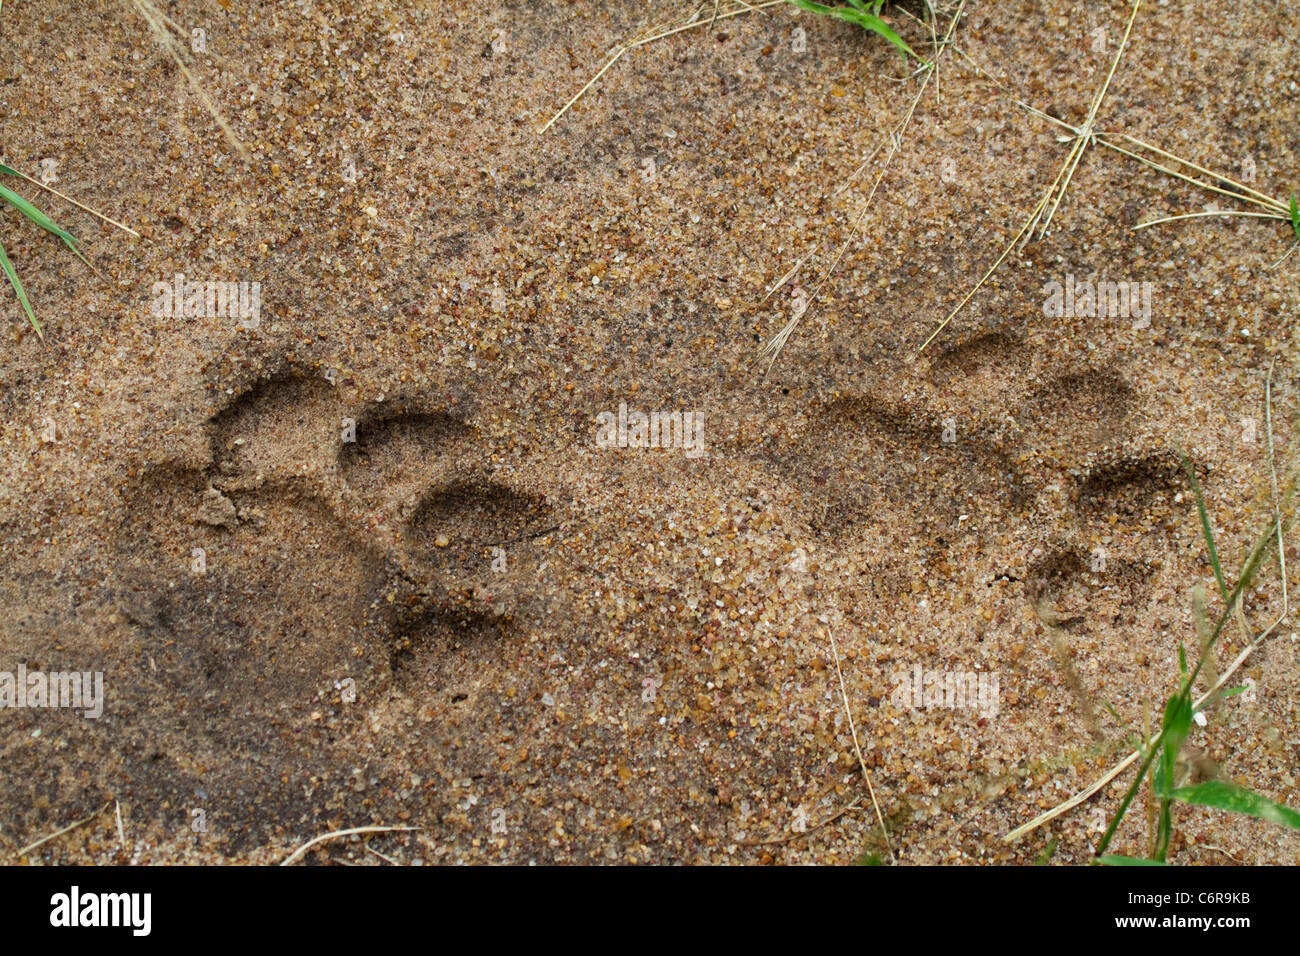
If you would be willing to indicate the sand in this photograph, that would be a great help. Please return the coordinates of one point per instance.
(364, 564)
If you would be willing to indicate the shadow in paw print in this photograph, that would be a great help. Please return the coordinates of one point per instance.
(426, 638)
(998, 352)
(1131, 487)
(236, 648)
(862, 463)
(457, 527)
(1077, 412)
(460, 567)
(283, 427)
(1072, 589)
(398, 453)
(232, 612)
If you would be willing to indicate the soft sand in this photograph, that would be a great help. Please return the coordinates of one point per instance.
(649, 676)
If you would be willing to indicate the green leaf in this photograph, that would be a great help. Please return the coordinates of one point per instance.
(12, 275)
(1048, 851)
(868, 21)
(1148, 755)
(1118, 860)
(1295, 215)
(1231, 692)
(42, 220)
(1178, 723)
(1222, 795)
(1206, 531)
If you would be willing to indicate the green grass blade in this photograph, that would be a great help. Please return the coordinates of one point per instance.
(1130, 794)
(1178, 712)
(1222, 795)
(1047, 852)
(1172, 722)
(1295, 215)
(1206, 531)
(1164, 830)
(34, 214)
(1119, 860)
(1178, 723)
(868, 21)
(876, 25)
(42, 220)
(12, 275)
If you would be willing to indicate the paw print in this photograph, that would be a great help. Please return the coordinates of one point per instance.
(370, 545)
(1029, 448)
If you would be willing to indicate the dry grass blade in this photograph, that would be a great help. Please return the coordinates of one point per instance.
(1260, 197)
(298, 853)
(58, 833)
(848, 712)
(1240, 190)
(1086, 131)
(387, 859)
(1278, 210)
(162, 26)
(1213, 212)
(1025, 230)
(68, 199)
(657, 34)
(786, 278)
(1083, 136)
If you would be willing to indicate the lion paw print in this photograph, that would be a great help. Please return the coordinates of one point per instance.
(323, 540)
(1061, 458)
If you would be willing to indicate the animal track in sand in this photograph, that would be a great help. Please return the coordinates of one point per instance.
(999, 353)
(1077, 411)
(881, 473)
(314, 548)
(1128, 486)
(864, 464)
(281, 566)
(1068, 584)
(397, 454)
